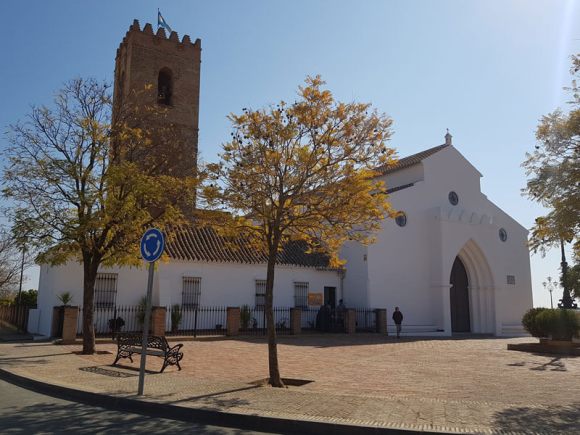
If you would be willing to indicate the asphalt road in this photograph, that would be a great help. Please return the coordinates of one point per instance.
(24, 411)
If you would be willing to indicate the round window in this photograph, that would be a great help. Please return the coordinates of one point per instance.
(453, 198)
(502, 234)
(401, 219)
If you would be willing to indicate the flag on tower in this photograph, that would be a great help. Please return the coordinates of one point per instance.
(161, 22)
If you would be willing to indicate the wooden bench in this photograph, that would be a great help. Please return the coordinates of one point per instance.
(130, 343)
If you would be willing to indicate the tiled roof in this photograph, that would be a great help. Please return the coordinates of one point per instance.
(396, 189)
(204, 244)
(409, 161)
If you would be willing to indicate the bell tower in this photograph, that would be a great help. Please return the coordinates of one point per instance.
(156, 89)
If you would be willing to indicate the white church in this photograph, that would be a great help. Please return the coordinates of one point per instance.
(452, 260)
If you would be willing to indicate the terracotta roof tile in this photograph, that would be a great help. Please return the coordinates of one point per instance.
(204, 244)
(409, 161)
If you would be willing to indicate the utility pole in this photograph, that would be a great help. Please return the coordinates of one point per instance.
(21, 274)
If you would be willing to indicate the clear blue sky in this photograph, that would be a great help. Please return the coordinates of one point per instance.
(487, 70)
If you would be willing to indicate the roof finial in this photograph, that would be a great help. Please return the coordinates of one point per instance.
(448, 138)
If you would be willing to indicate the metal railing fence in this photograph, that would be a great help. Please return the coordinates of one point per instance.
(15, 315)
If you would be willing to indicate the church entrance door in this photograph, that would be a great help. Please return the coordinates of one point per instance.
(459, 298)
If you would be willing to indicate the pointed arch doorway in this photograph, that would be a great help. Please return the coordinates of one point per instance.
(459, 295)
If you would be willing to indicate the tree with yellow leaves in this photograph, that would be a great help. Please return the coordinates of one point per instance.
(554, 181)
(76, 199)
(303, 171)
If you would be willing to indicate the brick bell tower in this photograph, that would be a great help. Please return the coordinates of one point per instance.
(156, 88)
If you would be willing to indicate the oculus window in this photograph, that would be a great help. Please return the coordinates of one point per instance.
(401, 219)
(453, 198)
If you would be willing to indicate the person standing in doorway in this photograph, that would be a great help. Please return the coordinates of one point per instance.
(398, 319)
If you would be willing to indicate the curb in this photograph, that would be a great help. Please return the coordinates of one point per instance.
(203, 416)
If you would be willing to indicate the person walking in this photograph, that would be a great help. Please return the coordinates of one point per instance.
(398, 319)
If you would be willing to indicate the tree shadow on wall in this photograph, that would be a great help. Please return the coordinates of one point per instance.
(555, 419)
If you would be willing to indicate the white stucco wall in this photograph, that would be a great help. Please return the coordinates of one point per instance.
(355, 284)
(410, 266)
(233, 284)
(222, 284)
(54, 280)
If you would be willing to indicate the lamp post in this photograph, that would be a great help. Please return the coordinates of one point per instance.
(550, 287)
(566, 301)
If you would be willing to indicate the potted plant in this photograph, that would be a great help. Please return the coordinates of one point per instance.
(245, 317)
(141, 307)
(176, 316)
(65, 298)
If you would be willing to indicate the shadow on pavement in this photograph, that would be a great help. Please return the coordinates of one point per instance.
(221, 402)
(16, 358)
(83, 419)
(556, 419)
(359, 339)
(555, 364)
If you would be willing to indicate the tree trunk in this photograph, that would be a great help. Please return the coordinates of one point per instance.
(275, 379)
(89, 277)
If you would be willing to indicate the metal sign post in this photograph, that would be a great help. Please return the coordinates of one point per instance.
(152, 245)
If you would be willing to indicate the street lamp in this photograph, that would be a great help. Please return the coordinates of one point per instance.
(550, 287)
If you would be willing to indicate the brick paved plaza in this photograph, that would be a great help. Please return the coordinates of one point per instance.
(470, 384)
(460, 369)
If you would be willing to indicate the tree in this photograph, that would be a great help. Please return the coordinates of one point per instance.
(72, 201)
(29, 297)
(573, 281)
(302, 171)
(554, 171)
(554, 168)
(10, 263)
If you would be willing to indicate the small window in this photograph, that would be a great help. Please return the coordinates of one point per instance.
(502, 234)
(453, 198)
(511, 279)
(401, 219)
(191, 293)
(260, 294)
(301, 294)
(106, 290)
(164, 87)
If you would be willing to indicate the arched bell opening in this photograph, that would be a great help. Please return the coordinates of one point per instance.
(165, 87)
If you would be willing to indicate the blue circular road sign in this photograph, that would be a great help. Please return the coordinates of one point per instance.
(152, 245)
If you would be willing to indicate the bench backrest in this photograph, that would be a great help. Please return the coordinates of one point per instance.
(153, 341)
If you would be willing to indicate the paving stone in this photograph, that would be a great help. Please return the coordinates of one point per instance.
(468, 385)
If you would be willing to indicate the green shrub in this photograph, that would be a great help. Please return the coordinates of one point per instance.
(29, 297)
(176, 316)
(559, 324)
(245, 316)
(529, 322)
(141, 308)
